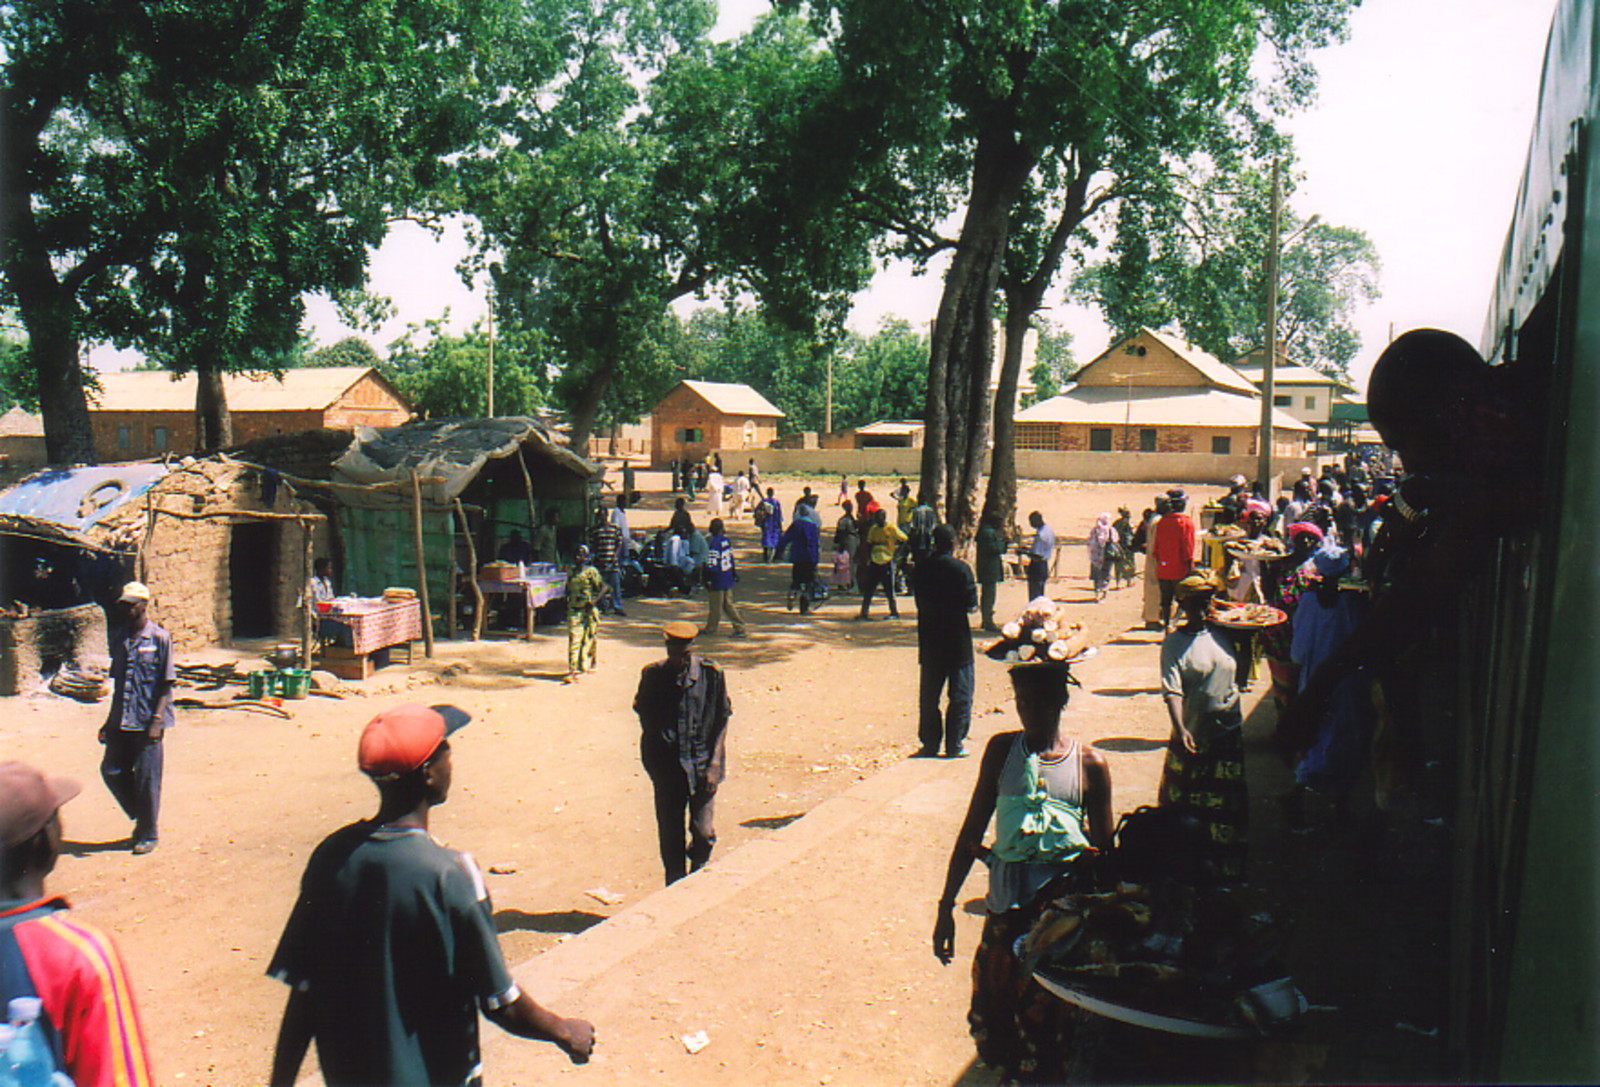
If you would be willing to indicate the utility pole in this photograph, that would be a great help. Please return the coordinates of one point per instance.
(827, 399)
(491, 351)
(1264, 443)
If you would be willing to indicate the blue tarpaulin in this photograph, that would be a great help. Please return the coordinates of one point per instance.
(77, 498)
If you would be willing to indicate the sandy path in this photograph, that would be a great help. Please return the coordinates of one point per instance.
(548, 786)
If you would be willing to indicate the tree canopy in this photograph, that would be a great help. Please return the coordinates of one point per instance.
(882, 376)
(178, 176)
(1030, 115)
(1196, 260)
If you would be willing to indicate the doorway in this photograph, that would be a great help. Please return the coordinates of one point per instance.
(252, 560)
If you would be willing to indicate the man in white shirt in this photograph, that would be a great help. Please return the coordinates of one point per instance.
(1040, 553)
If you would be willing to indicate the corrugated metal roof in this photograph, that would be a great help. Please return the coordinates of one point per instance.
(732, 399)
(889, 426)
(76, 498)
(1107, 406)
(17, 423)
(308, 389)
(1212, 368)
(1289, 374)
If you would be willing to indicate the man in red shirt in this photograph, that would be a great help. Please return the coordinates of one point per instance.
(1174, 549)
(74, 969)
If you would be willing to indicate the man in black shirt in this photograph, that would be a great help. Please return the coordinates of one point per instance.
(945, 594)
(391, 949)
(683, 710)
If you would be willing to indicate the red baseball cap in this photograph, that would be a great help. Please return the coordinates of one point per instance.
(402, 738)
(28, 799)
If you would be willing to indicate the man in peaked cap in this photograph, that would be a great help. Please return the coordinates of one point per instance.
(87, 1012)
(683, 711)
(391, 950)
(143, 672)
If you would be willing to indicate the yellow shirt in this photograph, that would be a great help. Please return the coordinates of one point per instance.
(884, 539)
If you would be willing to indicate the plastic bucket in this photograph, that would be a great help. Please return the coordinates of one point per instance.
(294, 682)
(255, 683)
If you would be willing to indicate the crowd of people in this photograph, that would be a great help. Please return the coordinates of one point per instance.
(390, 952)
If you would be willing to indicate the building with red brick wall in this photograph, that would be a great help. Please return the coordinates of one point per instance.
(698, 417)
(146, 413)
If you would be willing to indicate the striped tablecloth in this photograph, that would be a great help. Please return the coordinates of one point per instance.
(374, 624)
(538, 590)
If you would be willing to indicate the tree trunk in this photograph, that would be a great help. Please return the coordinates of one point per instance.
(53, 350)
(1000, 501)
(1023, 299)
(961, 355)
(213, 421)
(47, 305)
(586, 406)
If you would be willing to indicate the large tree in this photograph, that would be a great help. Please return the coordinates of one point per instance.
(1040, 109)
(179, 176)
(656, 166)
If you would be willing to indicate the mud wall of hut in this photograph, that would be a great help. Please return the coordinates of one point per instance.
(195, 520)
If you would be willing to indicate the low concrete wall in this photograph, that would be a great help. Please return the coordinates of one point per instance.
(1081, 466)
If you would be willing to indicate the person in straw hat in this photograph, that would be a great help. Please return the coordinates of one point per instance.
(683, 709)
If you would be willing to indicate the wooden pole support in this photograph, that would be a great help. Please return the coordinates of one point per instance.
(472, 573)
(422, 566)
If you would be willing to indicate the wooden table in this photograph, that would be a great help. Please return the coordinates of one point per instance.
(373, 624)
(536, 591)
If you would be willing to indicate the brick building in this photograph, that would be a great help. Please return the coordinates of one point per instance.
(698, 417)
(1154, 393)
(146, 413)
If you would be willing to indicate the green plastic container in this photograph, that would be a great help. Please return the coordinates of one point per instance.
(255, 683)
(294, 682)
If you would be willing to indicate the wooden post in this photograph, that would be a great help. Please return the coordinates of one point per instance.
(422, 566)
(527, 487)
(472, 573)
(308, 608)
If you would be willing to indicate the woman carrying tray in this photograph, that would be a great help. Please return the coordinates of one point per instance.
(1205, 756)
(1050, 799)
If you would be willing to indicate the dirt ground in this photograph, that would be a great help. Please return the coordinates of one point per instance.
(548, 793)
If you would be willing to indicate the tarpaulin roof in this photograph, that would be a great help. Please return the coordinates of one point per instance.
(61, 503)
(447, 454)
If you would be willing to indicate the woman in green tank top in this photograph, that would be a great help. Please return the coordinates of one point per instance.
(1050, 798)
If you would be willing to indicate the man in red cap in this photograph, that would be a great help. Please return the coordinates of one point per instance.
(683, 711)
(87, 1014)
(391, 949)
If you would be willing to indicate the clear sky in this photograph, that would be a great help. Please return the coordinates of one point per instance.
(1418, 138)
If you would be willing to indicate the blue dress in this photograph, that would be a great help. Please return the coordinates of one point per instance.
(772, 527)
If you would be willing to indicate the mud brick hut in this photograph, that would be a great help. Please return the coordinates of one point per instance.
(697, 417)
(224, 546)
(467, 482)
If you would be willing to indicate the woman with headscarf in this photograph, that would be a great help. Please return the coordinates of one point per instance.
(1050, 799)
(1205, 754)
(1324, 620)
(1122, 568)
(1102, 541)
(771, 525)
